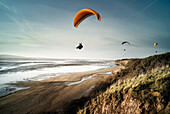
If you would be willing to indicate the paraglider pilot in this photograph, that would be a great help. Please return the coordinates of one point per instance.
(80, 46)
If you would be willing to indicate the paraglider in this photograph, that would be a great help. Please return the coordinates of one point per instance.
(125, 42)
(83, 14)
(155, 44)
(80, 16)
(80, 46)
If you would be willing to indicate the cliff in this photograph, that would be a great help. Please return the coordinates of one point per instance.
(142, 87)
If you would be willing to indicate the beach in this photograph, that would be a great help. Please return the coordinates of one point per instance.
(55, 93)
(16, 70)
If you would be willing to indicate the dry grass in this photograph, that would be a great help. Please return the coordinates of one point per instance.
(147, 80)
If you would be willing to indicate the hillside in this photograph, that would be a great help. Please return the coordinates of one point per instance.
(5, 56)
(142, 87)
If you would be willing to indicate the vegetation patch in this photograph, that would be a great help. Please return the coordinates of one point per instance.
(142, 87)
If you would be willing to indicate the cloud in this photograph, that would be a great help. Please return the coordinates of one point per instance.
(149, 5)
(4, 6)
(8, 8)
(145, 8)
(25, 26)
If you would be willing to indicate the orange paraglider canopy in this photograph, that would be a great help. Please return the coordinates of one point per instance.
(155, 44)
(84, 13)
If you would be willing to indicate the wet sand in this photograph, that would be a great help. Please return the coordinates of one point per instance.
(53, 94)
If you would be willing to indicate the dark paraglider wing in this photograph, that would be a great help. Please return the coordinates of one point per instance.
(125, 42)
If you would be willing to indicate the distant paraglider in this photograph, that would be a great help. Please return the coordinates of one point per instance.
(80, 16)
(155, 44)
(125, 42)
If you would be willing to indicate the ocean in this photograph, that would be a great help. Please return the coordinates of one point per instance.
(31, 69)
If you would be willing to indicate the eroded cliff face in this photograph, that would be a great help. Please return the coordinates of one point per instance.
(143, 87)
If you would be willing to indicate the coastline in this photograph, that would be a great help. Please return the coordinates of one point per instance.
(54, 93)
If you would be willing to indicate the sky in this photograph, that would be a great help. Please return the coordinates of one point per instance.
(44, 28)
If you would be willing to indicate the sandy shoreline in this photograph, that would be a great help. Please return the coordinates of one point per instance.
(54, 93)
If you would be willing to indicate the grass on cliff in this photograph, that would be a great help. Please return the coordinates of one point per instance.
(146, 80)
(152, 87)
